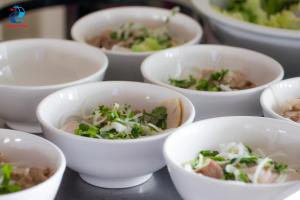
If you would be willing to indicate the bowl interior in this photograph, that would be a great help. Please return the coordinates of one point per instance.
(83, 99)
(270, 135)
(185, 61)
(47, 62)
(279, 94)
(28, 150)
(182, 27)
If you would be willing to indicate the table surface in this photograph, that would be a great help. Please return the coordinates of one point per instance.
(159, 187)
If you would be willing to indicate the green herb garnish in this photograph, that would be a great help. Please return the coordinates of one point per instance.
(211, 84)
(244, 177)
(121, 122)
(280, 167)
(272, 13)
(7, 186)
(183, 83)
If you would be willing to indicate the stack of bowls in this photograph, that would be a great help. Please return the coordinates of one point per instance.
(126, 65)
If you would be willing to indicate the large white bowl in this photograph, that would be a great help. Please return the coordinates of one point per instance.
(31, 69)
(260, 69)
(270, 135)
(281, 44)
(101, 162)
(125, 66)
(274, 97)
(33, 151)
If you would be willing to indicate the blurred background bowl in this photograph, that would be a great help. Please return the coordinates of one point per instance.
(277, 96)
(281, 44)
(258, 68)
(31, 69)
(125, 65)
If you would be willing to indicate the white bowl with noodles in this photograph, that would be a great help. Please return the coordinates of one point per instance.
(281, 44)
(102, 162)
(125, 65)
(28, 150)
(278, 97)
(183, 61)
(31, 69)
(270, 135)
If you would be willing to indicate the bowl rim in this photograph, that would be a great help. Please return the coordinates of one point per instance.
(89, 17)
(208, 93)
(217, 181)
(204, 7)
(57, 131)
(271, 111)
(60, 169)
(45, 41)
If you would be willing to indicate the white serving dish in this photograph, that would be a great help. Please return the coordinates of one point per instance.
(31, 69)
(260, 69)
(270, 135)
(281, 44)
(33, 151)
(126, 65)
(101, 162)
(275, 96)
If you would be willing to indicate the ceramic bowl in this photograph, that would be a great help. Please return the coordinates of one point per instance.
(125, 65)
(270, 135)
(33, 151)
(276, 96)
(31, 69)
(260, 69)
(101, 162)
(281, 44)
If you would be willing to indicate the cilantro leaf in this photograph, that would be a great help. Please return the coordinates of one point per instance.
(183, 83)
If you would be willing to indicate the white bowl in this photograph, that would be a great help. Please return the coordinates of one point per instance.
(101, 162)
(274, 97)
(270, 135)
(31, 69)
(260, 69)
(125, 66)
(281, 44)
(33, 151)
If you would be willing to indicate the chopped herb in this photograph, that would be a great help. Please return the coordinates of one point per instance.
(228, 176)
(121, 122)
(6, 186)
(244, 177)
(249, 149)
(219, 75)
(158, 117)
(217, 158)
(183, 83)
(249, 160)
(234, 163)
(208, 153)
(136, 131)
(280, 167)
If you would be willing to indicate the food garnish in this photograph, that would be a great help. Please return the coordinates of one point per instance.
(238, 162)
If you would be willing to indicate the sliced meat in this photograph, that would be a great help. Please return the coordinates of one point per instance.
(293, 176)
(237, 80)
(70, 126)
(212, 170)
